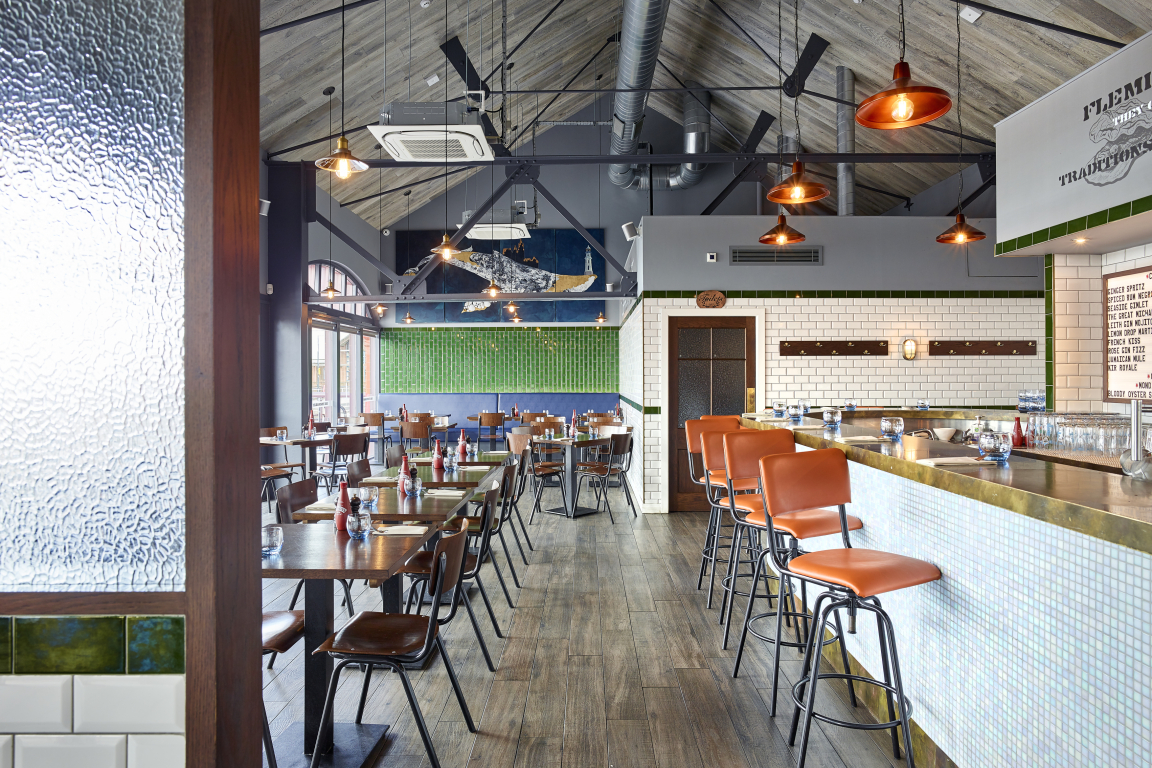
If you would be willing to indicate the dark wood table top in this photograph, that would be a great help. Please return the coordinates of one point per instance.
(319, 552)
(437, 506)
(481, 459)
(463, 477)
(303, 442)
(580, 441)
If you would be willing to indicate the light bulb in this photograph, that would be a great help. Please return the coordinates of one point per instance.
(797, 192)
(960, 237)
(902, 109)
(343, 170)
(379, 309)
(781, 240)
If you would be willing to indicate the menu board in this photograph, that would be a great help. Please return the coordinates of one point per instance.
(1128, 336)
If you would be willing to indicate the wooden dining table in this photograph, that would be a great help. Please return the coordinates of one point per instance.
(461, 477)
(435, 506)
(318, 554)
(572, 448)
(306, 445)
(481, 459)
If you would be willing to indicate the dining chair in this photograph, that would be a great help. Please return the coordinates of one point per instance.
(345, 446)
(358, 470)
(541, 471)
(271, 432)
(279, 631)
(376, 421)
(493, 422)
(419, 431)
(394, 456)
(399, 640)
(619, 448)
(268, 477)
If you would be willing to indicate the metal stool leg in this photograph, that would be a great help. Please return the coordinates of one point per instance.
(364, 693)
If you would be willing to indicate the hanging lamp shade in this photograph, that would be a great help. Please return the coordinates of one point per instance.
(903, 102)
(446, 249)
(798, 188)
(408, 317)
(600, 318)
(511, 306)
(959, 233)
(492, 289)
(515, 317)
(781, 234)
(342, 162)
(379, 309)
(330, 292)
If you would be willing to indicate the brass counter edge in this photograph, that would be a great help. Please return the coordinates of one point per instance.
(1098, 523)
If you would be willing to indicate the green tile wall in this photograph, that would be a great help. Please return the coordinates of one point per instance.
(545, 359)
(89, 645)
(1049, 333)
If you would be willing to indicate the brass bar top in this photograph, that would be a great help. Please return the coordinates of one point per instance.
(1104, 505)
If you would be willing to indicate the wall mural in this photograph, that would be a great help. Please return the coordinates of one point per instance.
(553, 260)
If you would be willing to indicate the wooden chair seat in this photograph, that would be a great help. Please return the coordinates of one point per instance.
(280, 630)
(421, 562)
(273, 473)
(370, 633)
(283, 465)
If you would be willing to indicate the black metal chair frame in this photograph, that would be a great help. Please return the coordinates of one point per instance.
(616, 465)
(538, 478)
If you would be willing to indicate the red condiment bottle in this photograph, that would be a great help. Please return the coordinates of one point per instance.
(438, 456)
(1017, 435)
(402, 476)
(343, 506)
(462, 446)
(515, 410)
(311, 422)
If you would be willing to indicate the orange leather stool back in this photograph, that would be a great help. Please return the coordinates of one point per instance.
(808, 480)
(695, 427)
(712, 445)
(720, 416)
(744, 449)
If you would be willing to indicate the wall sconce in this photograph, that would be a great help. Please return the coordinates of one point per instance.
(908, 349)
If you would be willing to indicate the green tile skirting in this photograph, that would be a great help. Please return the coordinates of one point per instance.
(91, 645)
(540, 359)
(642, 408)
(1108, 215)
(1049, 335)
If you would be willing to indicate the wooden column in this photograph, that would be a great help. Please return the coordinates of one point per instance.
(222, 247)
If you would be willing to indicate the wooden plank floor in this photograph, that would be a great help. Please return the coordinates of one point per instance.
(611, 659)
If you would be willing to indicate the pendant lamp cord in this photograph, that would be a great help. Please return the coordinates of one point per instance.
(409, 50)
(959, 120)
(780, 90)
(902, 29)
(796, 101)
(445, 130)
(341, 67)
(331, 269)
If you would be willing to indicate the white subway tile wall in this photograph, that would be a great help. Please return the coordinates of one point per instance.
(52, 721)
(874, 381)
(1120, 261)
(1078, 328)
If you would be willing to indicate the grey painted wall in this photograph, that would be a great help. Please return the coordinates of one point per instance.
(860, 252)
(940, 198)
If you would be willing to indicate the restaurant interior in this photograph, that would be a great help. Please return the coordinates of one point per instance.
(581, 383)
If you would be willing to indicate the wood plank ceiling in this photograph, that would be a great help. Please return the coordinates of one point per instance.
(1006, 65)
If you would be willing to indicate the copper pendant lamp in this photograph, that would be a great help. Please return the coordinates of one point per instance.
(341, 162)
(515, 317)
(781, 234)
(798, 188)
(904, 102)
(446, 249)
(960, 233)
(408, 318)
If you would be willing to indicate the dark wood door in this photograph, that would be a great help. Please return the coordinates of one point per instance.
(711, 370)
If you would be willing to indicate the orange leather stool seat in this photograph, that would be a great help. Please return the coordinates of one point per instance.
(718, 477)
(866, 572)
(804, 524)
(369, 633)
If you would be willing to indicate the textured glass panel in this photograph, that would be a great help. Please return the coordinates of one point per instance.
(92, 251)
(695, 342)
(728, 386)
(728, 343)
(693, 391)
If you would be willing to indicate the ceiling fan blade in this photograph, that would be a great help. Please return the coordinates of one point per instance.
(458, 58)
(763, 123)
(813, 50)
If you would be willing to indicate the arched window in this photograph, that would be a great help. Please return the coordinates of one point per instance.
(346, 285)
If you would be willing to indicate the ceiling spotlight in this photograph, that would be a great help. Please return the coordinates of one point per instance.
(797, 188)
(960, 233)
(408, 318)
(515, 317)
(1080, 240)
(781, 234)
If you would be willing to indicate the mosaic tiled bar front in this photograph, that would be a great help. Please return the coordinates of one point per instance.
(1032, 649)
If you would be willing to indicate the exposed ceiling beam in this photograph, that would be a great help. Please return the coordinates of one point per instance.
(979, 191)
(316, 16)
(403, 187)
(537, 296)
(1038, 23)
(348, 240)
(705, 157)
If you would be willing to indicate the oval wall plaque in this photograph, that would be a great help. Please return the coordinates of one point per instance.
(710, 299)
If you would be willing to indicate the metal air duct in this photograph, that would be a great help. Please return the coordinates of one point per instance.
(845, 142)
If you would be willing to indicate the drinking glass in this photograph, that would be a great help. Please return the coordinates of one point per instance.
(415, 487)
(794, 412)
(778, 407)
(994, 446)
(923, 404)
(548, 433)
(431, 412)
(849, 403)
(359, 524)
(271, 540)
(368, 495)
(341, 422)
(832, 417)
(1022, 400)
(282, 434)
(1032, 432)
(805, 405)
(891, 427)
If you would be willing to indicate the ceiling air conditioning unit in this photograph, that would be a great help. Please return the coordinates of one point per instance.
(500, 223)
(433, 132)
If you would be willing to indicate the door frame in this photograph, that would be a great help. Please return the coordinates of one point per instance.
(760, 318)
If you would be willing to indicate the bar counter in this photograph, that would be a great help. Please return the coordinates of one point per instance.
(1034, 647)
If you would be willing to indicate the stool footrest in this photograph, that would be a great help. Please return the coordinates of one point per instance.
(784, 643)
(906, 708)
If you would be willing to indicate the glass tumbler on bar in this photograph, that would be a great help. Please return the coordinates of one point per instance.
(892, 427)
(271, 540)
(994, 446)
(849, 403)
(778, 407)
(794, 412)
(832, 417)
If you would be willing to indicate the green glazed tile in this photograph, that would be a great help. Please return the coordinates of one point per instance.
(1001, 294)
(156, 645)
(1015, 294)
(1023, 241)
(5, 645)
(1098, 218)
(1058, 231)
(999, 248)
(1143, 205)
(69, 645)
(1120, 212)
(1040, 236)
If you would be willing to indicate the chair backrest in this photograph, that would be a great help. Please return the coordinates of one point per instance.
(806, 480)
(414, 430)
(744, 448)
(604, 420)
(518, 441)
(447, 569)
(621, 447)
(271, 431)
(372, 419)
(294, 496)
(721, 416)
(394, 456)
(491, 419)
(357, 471)
(530, 417)
(696, 427)
(321, 426)
(507, 494)
(523, 468)
(712, 447)
(350, 444)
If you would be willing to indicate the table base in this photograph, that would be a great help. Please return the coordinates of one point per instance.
(578, 512)
(354, 746)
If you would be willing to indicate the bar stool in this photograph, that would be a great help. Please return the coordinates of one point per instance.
(279, 631)
(742, 452)
(716, 483)
(693, 429)
(851, 578)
